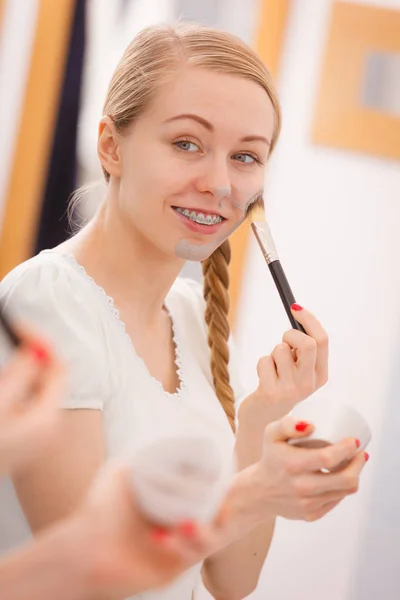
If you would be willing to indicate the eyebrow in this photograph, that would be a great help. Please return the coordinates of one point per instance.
(207, 125)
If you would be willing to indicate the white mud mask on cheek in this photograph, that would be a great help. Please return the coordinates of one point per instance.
(196, 252)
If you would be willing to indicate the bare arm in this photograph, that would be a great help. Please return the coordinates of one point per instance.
(245, 556)
(51, 488)
(50, 567)
(106, 549)
(288, 482)
(294, 370)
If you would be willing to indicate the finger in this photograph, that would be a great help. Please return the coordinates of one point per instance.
(306, 350)
(320, 487)
(288, 428)
(315, 330)
(17, 377)
(348, 478)
(178, 550)
(322, 511)
(189, 540)
(266, 371)
(284, 363)
(197, 537)
(168, 543)
(53, 385)
(329, 457)
(34, 373)
(39, 344)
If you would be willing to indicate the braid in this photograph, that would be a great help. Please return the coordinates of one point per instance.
(216, 284)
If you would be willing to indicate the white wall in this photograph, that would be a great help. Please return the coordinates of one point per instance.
(335, 216)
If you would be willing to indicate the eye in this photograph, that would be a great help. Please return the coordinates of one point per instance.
(247, 159)
(186, 146)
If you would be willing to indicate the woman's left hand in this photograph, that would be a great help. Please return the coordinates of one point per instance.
(295, 369)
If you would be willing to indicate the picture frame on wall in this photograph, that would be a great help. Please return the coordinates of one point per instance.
(358, 100)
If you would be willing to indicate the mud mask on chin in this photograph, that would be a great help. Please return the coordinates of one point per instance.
(197, 252)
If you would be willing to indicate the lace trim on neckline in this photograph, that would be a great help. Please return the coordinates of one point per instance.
(115, 312)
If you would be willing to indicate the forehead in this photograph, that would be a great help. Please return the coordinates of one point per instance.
(227, 101)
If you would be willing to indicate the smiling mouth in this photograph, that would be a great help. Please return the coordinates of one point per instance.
(200, 218)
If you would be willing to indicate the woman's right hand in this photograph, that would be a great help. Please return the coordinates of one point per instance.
(122, 552)
(32, 383)
(290, 479)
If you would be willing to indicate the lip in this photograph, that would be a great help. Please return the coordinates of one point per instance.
(197, 227)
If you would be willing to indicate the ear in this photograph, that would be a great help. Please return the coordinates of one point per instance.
(108, 147)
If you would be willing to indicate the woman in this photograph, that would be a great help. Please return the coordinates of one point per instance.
(190, 119)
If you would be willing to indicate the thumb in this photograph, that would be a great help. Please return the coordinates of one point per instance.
(287, 428)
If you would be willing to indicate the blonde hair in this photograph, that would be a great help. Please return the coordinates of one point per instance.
(156, 54)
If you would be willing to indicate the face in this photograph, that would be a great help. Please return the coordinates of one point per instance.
(190, 165)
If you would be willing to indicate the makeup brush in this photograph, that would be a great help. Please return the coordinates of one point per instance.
(256, 217)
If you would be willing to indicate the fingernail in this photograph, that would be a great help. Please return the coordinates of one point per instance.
(188, 529)
(358, 443)
(159, 534)
(366, 456)
(39, 352)
(301, 425)
(297, 307)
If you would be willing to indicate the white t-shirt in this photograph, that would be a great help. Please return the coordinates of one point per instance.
(54, 293)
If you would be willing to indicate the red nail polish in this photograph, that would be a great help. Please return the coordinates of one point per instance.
(39, 352)
(301, 426)
(159, 534)
(358, 443)
(188, 529)
(366, 456)
(297, 307)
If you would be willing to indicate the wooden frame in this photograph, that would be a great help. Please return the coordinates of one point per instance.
(27, 178)
(2, 2)
(340, 118)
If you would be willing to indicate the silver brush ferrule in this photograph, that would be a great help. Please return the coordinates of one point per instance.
(265, 241)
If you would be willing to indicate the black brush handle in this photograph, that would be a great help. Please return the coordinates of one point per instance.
(285, 292)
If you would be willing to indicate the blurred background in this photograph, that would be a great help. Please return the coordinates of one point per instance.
(333, 203)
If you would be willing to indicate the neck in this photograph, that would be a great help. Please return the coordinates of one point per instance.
(127, 266)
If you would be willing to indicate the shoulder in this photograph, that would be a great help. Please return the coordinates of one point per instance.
(49, 283)
(44, 272)
(50, 294)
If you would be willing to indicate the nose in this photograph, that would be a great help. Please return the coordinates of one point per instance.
(215, 179)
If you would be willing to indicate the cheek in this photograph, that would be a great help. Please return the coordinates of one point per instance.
(240, 203)
(163, 176)
(245, 191)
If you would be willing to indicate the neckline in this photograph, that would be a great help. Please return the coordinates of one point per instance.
(109, 300)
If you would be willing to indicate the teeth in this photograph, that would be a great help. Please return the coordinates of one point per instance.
(200, 217)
